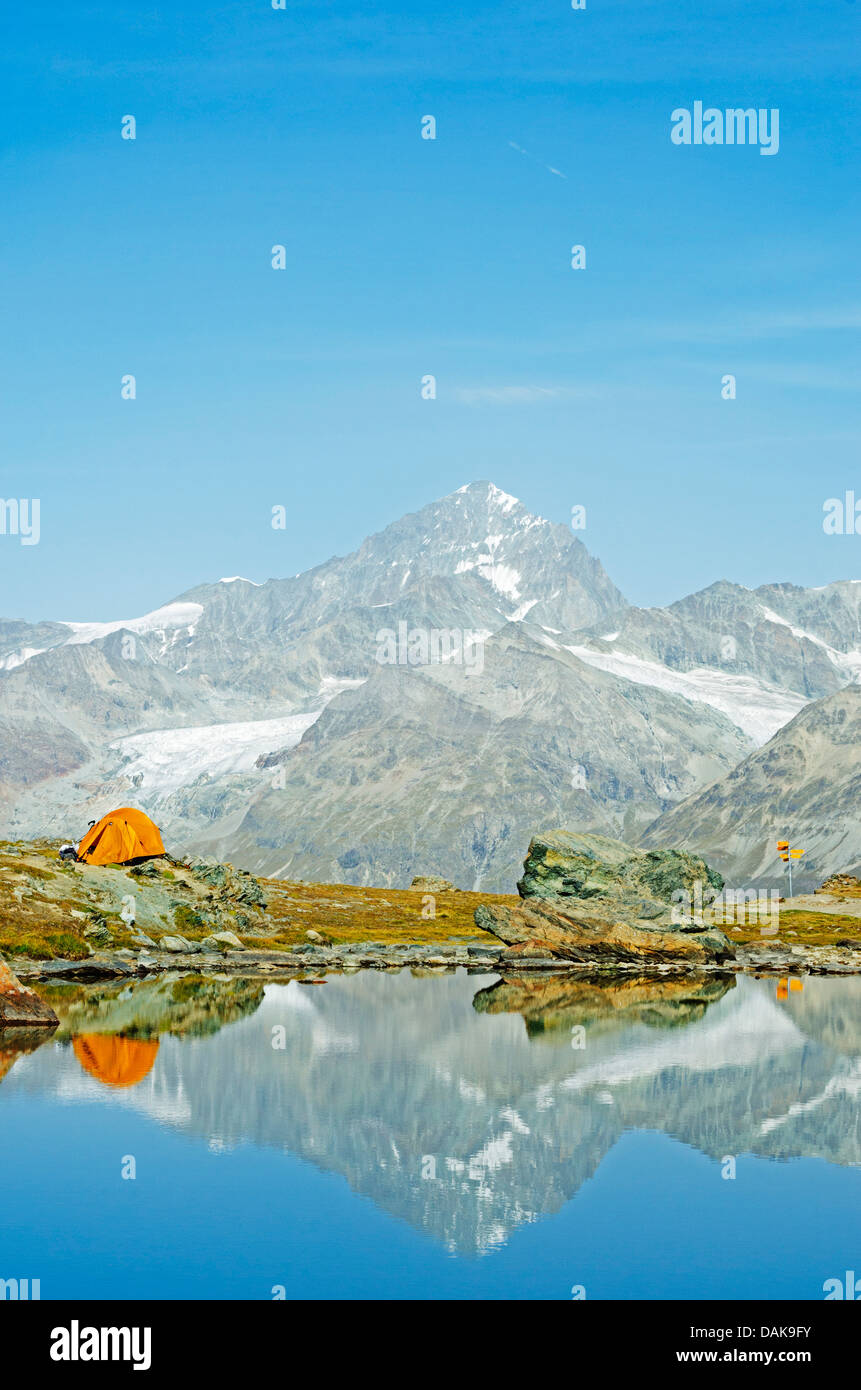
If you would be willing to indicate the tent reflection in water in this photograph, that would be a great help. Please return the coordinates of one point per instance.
(113, 1059)
(119, 837)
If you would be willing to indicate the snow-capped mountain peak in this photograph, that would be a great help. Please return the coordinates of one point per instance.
(260, 721)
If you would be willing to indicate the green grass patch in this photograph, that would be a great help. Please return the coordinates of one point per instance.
(186, 920)
(800, 928)
(45, 946)
(19, 866)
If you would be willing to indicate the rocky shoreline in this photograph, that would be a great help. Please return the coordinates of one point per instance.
(585, 904)
(773, 957)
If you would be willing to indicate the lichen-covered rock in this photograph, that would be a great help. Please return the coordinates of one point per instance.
(177, 944)
(590, 932)
(21, 1007)
(588, 898)
(223, 941)
(98, 935)
(666, 871)
(210, 871)
(565, 864)
(140, 939)
(148, 869)
(232, 885)
(247, 890)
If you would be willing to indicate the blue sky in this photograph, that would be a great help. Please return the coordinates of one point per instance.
(405, 256)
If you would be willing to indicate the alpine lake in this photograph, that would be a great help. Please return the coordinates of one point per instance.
(434, 1135)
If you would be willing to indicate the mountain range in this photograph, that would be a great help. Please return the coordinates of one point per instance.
(468, 676)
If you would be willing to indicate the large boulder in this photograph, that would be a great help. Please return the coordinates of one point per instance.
(588, 898)
(178, 945)
(563, 864)
(21, 1007)
(222, 941)
(586, 935)
(232, 885)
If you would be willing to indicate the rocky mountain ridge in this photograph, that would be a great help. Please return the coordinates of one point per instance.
(805, 783)
(276, 724)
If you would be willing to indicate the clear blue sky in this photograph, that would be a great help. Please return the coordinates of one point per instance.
(404, 257)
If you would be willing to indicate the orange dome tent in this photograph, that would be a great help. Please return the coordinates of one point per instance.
(120, 836)
(113, 1059)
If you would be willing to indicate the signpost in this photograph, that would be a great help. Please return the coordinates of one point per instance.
(787, 854)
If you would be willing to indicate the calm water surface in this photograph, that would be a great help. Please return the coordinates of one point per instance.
(387, 1135)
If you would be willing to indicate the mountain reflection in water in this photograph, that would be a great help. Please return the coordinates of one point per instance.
(458, 1102)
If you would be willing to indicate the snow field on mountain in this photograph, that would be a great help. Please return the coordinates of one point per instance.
(168, 759)
(754, 706)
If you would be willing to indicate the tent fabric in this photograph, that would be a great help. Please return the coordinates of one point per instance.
(120, 836)
(115, 1060)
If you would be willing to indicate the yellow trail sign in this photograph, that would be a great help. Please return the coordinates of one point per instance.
(787, 854)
